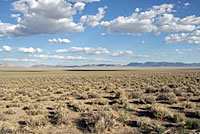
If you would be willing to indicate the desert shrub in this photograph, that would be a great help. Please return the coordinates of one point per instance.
(61, 117)
(188, 104)
(169, 97)
(34, 109)
(161, 112)
(6, 127)
(180, 117)
(36, 122)
(100, 121)
(193, 124)
(100, 101)
(144, 122)
(135, 94)
(147, 124)
(197, 113)
(129, 107)
(2, 117)
(83, 96)
(151, 90)
(165, 90)
(122, 116)
(178, 91)
(121, 97)
(120, 94)
(77, 106)
(10, 112)
(148, 100)
(93, 95)
(12, 105)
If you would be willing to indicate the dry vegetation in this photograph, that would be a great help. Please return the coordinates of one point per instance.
(110, 102)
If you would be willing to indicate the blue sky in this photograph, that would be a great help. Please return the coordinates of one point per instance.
(76, 32)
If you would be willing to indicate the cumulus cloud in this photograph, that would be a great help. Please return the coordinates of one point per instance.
(43, 17)
(178, 51)
(93, 20)
(70, 57)
(59, 40)
(6, 49)
(192, 38)
(157, 19)
(19, 60)
(79, 6)
(187, 4)
(101, 51)
(30, 50)
(84, 0)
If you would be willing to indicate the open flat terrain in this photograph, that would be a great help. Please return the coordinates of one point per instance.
(50, 101)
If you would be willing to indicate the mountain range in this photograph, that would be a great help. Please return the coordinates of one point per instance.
(131, 64)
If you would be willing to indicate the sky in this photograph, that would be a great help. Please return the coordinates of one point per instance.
(79, 32)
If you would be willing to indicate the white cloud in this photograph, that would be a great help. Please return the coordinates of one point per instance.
(157, 19)
(190, 20)
(103, 34)
(93, 20)
(6, 49)
(88, 50)
(101, 51)
(42, 17)
(30, 50)
(138, 22)
(79, 6)
(61, 51)
(143, 42)
(84, 0)
(192, 38)
(121, 53)
(19, 60)
(177, 51)
(69, 57)
(137, 10)
(187, 4)
(59, 40)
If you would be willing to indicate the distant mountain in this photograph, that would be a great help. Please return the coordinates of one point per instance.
(132, 64)
(43, 66)
(6, 65)
(88, 65)
(163, 64)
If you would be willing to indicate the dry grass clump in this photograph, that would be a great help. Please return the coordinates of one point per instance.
(77, 106)
(148, 100)
(100, 121)
(179, 117)
(2, 117)
(170, 98)
(10, 112)
(151, 89)
(33, 122)
(193, 124)
(197, 113)
(178, 91)
(34, 109)
(161, 112)
(62, 117)
(100, 101)
(188, 104)
(129, 107)
(147, 124)
(135, 94)
(6, 127)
